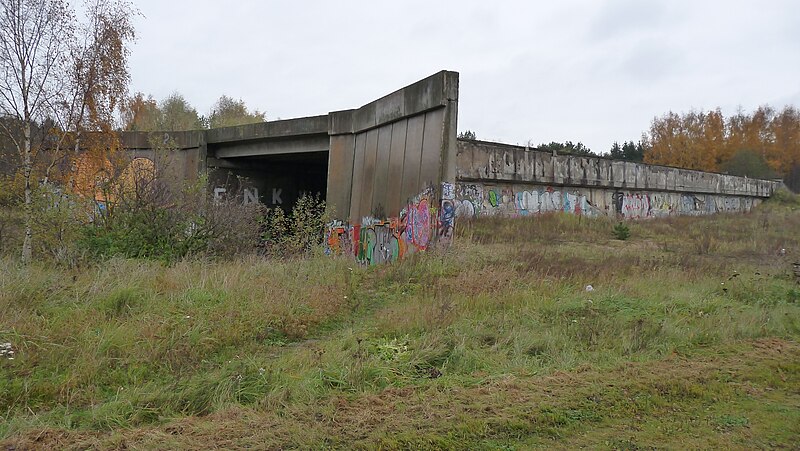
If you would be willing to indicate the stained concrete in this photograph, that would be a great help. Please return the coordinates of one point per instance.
(368, 162)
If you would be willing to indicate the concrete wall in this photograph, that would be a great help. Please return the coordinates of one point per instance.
(509, 180)
(185, 160)
(391, 172)
(387, 152)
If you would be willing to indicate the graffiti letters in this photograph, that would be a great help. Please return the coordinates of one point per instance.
(378, 240)
(250, 196)
(477, 200)
(276, 196)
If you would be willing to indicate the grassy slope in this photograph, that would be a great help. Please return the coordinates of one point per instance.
(690, 338)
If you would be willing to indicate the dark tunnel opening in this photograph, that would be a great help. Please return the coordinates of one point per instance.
(277, 180)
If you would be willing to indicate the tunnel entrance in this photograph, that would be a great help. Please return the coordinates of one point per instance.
(275, 180)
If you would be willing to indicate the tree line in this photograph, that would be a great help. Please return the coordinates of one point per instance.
(764, 143)
(174, 113)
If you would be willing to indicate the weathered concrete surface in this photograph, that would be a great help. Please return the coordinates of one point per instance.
(484, 161)
(186, 158)
(396, 176)
(288, 128)
(510, 180)
(388, 151)
(379, 156)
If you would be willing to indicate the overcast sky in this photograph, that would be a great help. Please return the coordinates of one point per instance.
(589, 71)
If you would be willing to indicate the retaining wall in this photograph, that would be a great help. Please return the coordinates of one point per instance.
(499, 179)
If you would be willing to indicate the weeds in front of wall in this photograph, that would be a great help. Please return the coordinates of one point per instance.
(786, 199)
(545, 227)
(703, 238)
(298, 233)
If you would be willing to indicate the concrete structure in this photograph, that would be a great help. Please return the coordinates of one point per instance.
(366, 162)
(396, 176)
(500, 179)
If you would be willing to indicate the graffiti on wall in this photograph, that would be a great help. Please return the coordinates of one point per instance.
(659, 205)
(447, 214)
(475, 200)
(479, 200)
(379, 240)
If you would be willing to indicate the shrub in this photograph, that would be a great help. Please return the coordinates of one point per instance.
(298, 233)
(11, 190)
(785, 197)
(57, 223)
(621, 231)
(150, 216)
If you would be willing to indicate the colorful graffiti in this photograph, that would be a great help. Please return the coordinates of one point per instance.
(474, 200)
(447, 215)
(380, 240)
(635, 206)
(479, 200)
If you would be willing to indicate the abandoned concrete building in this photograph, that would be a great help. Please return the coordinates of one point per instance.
(397, 177)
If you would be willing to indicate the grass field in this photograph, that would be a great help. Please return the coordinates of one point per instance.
(689, 338)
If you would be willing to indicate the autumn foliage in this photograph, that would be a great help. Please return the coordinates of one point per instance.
(708, 141)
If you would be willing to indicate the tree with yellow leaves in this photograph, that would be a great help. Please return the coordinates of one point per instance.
(62, 75)
(710, 142)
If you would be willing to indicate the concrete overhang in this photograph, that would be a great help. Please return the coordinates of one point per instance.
(312, 125)
(147, 140)
(276, 146)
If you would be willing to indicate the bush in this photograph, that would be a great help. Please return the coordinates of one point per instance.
(621, 231)
(170, 228)
(56, 224)
(298, 233)
(785, 197)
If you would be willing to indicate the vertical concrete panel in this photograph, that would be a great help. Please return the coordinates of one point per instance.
(464, 161)
(340, 174)
(481, 161)
(431, 159)
(526, 166)
(509, 164)
(413, 154)
(449, 129)
(379, 195)
(394, 186)
(640, 175)
(370, 160)
(547, 166)
(358, 178)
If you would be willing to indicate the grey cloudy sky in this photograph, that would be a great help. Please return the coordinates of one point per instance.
(590, 71)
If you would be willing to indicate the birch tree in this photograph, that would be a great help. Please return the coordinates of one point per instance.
(56, 70)
(34, 36)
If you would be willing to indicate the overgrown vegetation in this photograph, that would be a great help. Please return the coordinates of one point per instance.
(493, 345)
(136, 209)
(297, 233)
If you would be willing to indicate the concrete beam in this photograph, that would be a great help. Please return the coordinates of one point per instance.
(311, 125)
(296, 144)
(145, 140)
